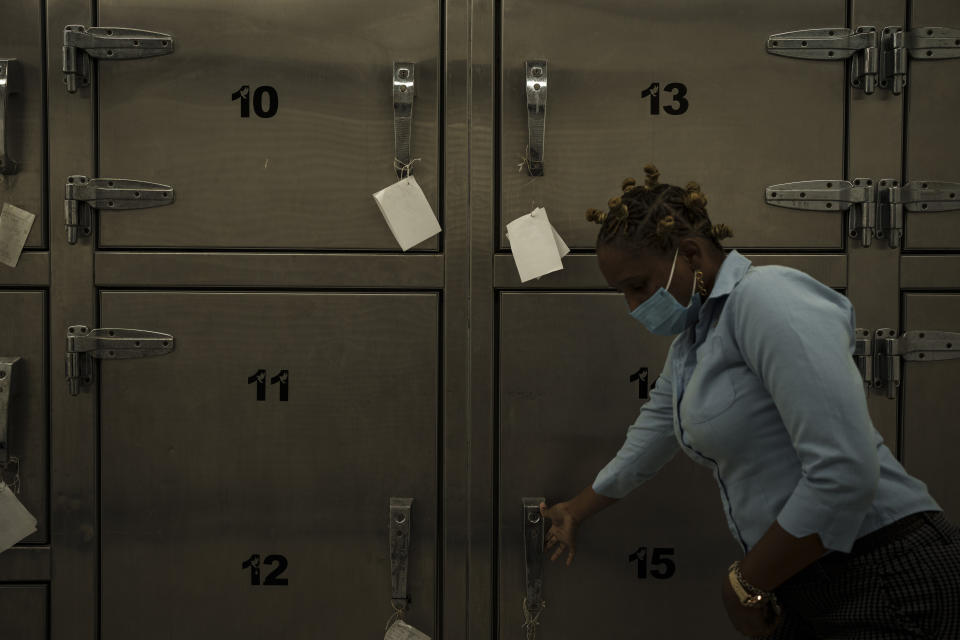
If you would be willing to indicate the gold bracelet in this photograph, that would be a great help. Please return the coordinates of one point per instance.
(749, 595)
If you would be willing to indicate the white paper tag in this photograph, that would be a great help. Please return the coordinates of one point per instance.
(15, 224)
(16, 523)
(407, 212)
(400, 630)
(536, 245)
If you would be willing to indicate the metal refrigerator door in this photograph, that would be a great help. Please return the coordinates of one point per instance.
(21, 38)
(24, 611)
(930, 435)
(566, 399)
(302, 179)
(752, 119)
(933, 130)
(23, 333)
(198, 475)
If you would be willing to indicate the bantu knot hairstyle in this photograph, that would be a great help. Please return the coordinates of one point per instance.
(655, 214)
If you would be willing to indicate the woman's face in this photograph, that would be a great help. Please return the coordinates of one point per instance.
(638, 276)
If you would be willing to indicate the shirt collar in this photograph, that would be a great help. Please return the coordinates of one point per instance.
(731, 272)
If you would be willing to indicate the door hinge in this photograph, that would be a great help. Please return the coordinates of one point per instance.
(9, 382)
(84, 194)
(874, 210)
(863, 356)
(914, 346)
(919, 196)
(858, 197)
(84, 344)
(834, 43)
(81, 44)
(922, 43)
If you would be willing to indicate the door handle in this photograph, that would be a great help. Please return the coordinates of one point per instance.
(404, 89)
(8, 86)
(533, 534)
(9, 372)
(536, 90)
(400, 509)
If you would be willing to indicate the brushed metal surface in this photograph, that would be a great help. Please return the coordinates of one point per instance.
(266, 270)
(566, 401)
(874, 287)
(32, 270)
(74, 543)
(482, 225)
(753, 120)
(928, 392)
(300, 179)
(197, 475)
(23, 332)
(20, 38)
(23, 609)
(933, 130)
(930, 272)
(580, 271)
(23, 564)
(457, 492)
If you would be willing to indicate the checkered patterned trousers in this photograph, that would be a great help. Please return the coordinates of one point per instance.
(902, 581)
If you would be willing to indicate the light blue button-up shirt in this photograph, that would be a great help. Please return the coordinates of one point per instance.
(764, 391)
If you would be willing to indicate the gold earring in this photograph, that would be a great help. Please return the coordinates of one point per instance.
(701, 288)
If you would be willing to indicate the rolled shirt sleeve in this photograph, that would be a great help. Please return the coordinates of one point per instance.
(650, 443)
(797, 335)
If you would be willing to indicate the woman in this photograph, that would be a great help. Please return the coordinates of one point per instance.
(760, 386)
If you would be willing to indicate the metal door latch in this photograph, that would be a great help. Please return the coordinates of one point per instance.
(533, 534)
(922, 43)
(863, 356)
(84, 344)
(9, 379)
(858, 197)
(536, 115)
(834, 43)
(400, 509)
(84, 194)
(914, 346)
(404, 90)
(917, 196)
(81, 44)
(9, 84)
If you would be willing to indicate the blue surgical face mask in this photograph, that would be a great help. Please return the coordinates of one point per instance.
(662, 315)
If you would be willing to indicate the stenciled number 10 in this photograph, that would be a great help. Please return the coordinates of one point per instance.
(272, 101)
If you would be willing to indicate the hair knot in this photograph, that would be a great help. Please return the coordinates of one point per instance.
(628, 183)
(652, 176)
(595, 215)
(665, 226)
(721, 231)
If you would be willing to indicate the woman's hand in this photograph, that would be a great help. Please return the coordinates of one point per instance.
(757, 622)
(563, 531)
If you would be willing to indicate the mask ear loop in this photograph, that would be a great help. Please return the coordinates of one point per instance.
(674, 266)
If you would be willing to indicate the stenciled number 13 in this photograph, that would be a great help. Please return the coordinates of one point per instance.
(679, 97)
